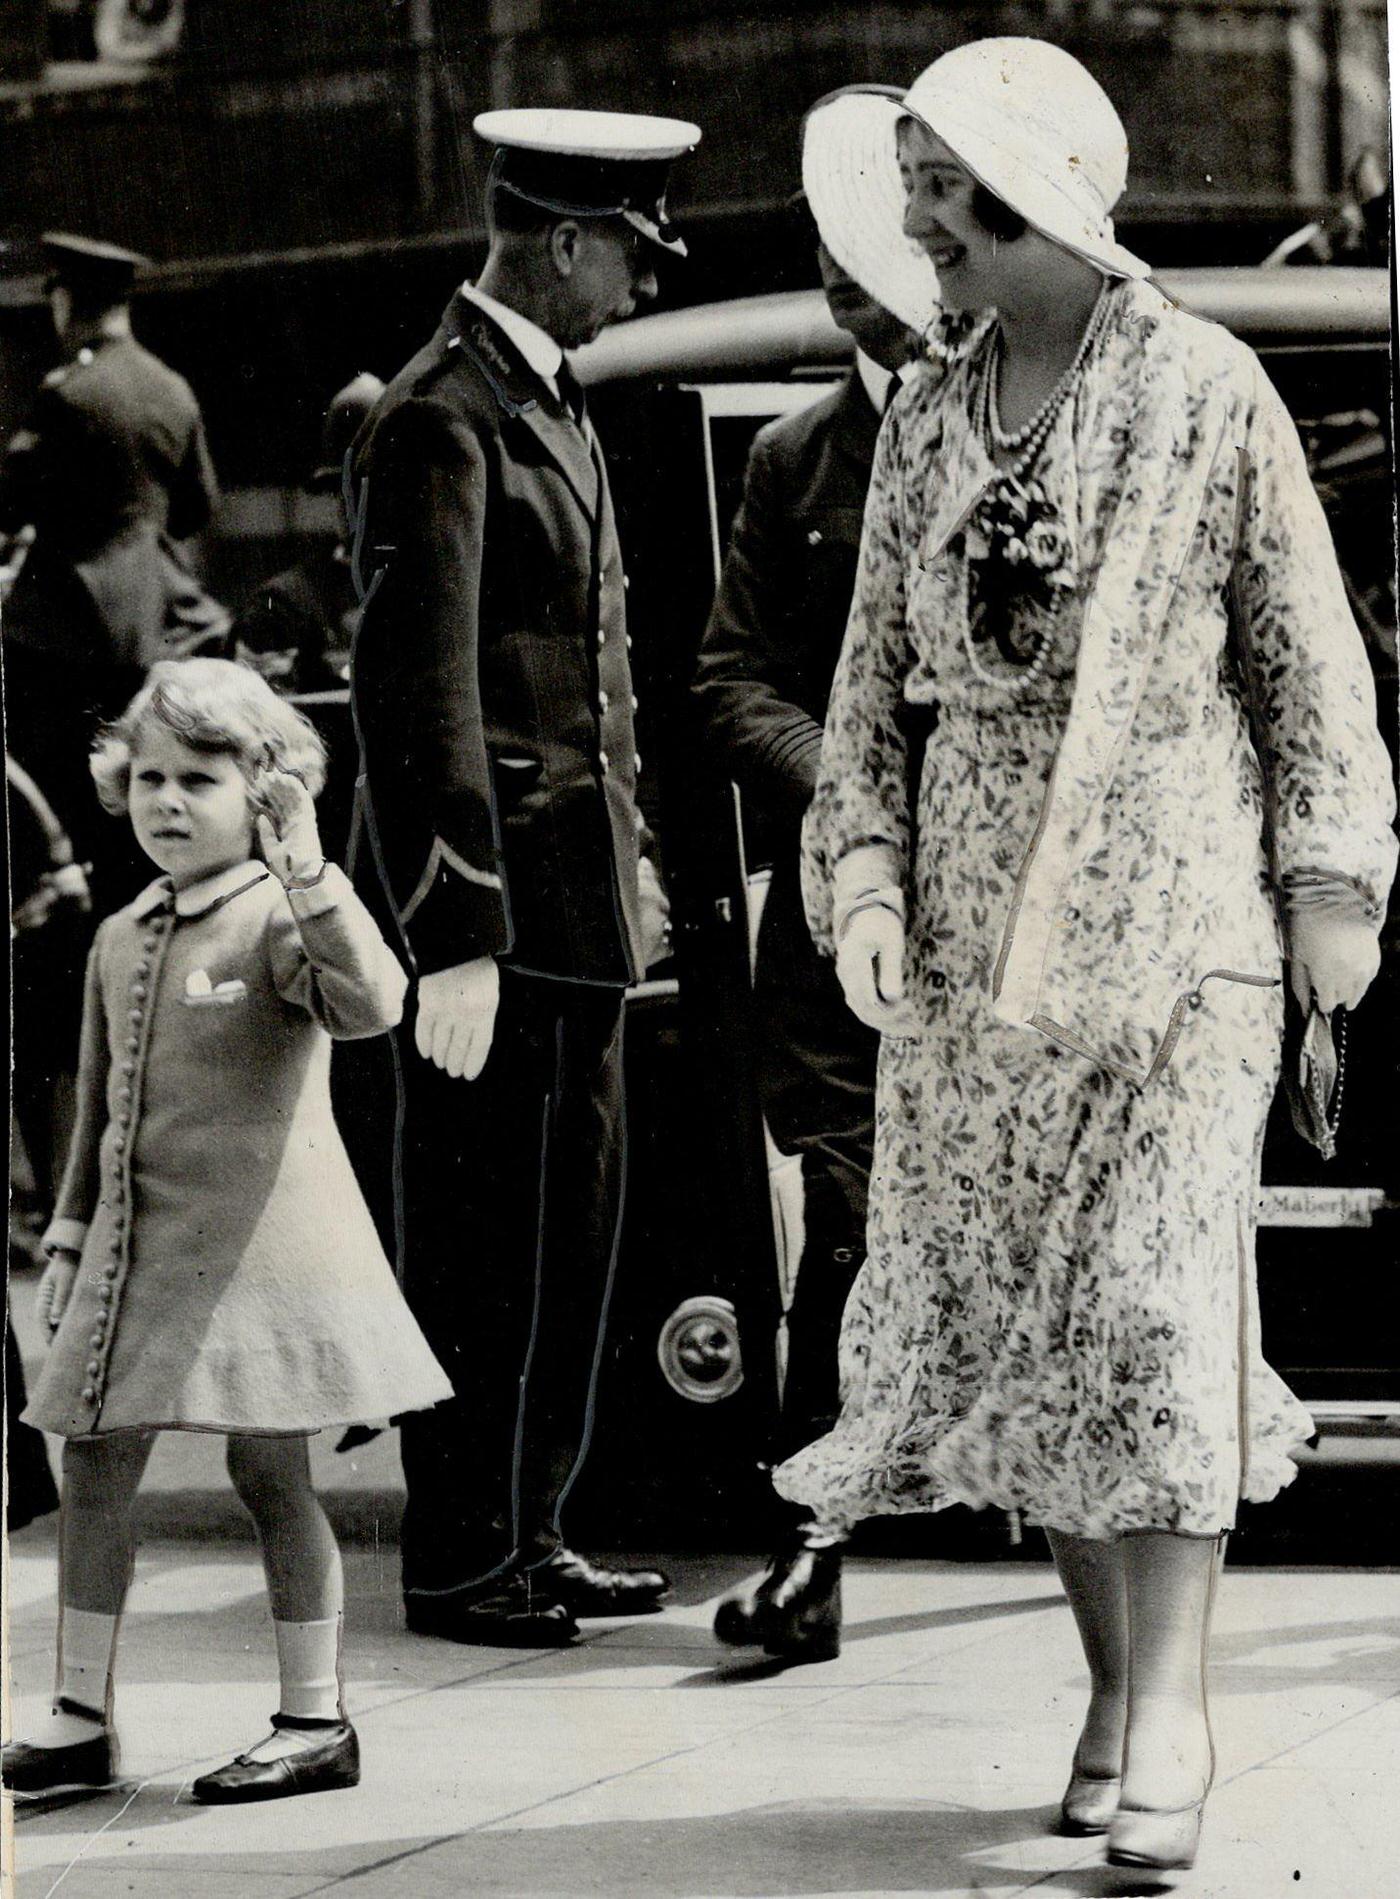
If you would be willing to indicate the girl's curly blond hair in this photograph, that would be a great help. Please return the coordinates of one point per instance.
(211, 705)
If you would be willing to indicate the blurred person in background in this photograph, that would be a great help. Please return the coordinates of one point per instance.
(111, 471)
(298, 627)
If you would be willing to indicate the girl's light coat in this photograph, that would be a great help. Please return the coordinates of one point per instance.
(1141, 880)
(231, 1278)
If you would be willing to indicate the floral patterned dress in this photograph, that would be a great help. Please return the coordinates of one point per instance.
(1057, 1312)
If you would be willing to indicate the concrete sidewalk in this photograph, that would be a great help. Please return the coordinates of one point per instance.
(927, 1759)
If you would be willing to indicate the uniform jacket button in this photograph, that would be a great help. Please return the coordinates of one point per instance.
(110, 1272)
(89, 1395)
(133, 1047)
(603, 700)
(628, 638)
(134, 1015)
(94, 1367)
(603, 761)
(96, 1341)
(138, 989)
(636, 703)
(637, 762)
(104, 1293)
(602, 639)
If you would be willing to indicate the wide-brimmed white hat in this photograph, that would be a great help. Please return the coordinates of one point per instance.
(1039, 131)
(850, 175)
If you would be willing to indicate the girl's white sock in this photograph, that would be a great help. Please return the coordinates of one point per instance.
(87, 1646)
(308, 1665)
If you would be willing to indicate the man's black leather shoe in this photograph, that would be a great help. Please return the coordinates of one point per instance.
(586, 1589)
(794, 1613)
(333, 1761)
(56, 1773)
(511, 1611)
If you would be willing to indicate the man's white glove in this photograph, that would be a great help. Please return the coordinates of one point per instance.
(870, 966)
(55, 1287)
(457, 1016)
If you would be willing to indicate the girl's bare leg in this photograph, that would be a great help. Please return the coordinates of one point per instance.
(272, 1476)
(96, 1552)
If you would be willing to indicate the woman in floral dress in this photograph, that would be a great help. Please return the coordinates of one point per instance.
(1057, 909)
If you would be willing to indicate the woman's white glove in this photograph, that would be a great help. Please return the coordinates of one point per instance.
(56, 1287)
(870, 967)
(1333, 956)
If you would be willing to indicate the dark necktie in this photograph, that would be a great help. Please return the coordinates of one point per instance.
(571, 392)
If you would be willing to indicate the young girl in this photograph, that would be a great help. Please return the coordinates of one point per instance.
(212, 1263)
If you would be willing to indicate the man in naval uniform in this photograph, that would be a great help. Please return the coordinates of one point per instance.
(110, 471)
(493, 697)
(766, 666)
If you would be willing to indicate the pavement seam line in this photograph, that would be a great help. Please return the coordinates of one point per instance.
(96, 1835)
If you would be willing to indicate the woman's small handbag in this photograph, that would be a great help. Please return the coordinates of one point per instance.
(1312, 1068)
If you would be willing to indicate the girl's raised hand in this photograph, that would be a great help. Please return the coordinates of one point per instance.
(287, 831)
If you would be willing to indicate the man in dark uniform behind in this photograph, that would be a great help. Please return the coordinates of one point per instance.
(111, 471)
(493, 697)
(766, 667)
(297, 628)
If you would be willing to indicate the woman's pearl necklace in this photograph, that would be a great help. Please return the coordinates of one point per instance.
(1031, 438)
(1030, 441)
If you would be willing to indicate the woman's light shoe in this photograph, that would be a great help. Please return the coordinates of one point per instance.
(1162, 1838)
(1090, 1802)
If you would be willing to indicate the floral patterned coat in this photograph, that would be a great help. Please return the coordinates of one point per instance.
(1117, 914)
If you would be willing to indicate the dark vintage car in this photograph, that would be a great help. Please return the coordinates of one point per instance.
(706, 1263)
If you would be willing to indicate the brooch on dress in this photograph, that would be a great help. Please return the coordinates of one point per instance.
(1019, 530)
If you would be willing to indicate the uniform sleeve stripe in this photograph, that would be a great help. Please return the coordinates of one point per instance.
(439, 855)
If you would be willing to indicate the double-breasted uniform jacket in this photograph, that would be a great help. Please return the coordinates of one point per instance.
(1142, 878)
(491, 680)
(779, 617)
(230, 1277)
(111, 466)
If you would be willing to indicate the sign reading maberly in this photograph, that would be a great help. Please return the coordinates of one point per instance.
(1319, 1206)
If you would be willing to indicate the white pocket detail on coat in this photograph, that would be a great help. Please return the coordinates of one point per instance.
(201, 992)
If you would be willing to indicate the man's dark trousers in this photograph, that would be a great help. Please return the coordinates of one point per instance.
(511, 1198)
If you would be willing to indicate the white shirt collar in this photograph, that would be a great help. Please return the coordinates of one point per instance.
(196, 898)
(876, 381)
(537, 346)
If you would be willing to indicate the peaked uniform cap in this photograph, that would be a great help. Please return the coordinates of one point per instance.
(850, 179)
(590, 164)
(87, 263)
(1038, 130)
